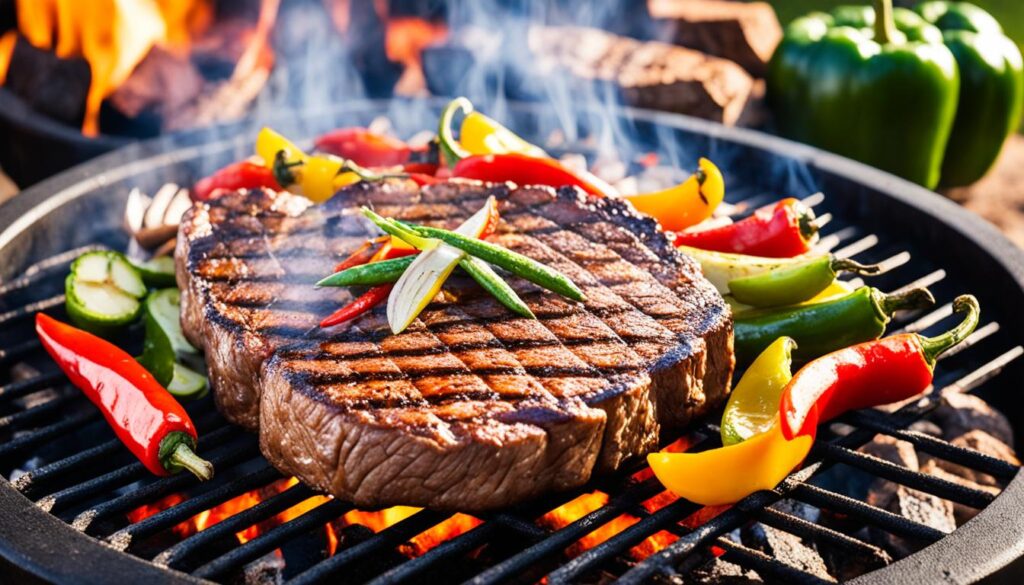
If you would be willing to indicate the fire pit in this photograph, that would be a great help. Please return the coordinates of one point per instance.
(87, 512)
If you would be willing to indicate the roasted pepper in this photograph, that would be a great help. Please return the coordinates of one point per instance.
(153, 426)
(757, 456)
(991, 88)
(824, 327)
(526, 170)
(478, 135)
(833, 291)
(365, 148)
(886, 95)
(240, 175)
(795, 284)
(317, 177)
(781, 230)
(869, 374)
(686, 204)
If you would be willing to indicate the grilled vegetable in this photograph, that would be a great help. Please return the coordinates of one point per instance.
(756, 455)
(686, 204)
(165, 308)
(156, 273)
(187, 384)
(103, 292)
(423, 279)
(832, 292)
(527, 170)
(147, 419)
(487, 278)
(316, 177)
(821, 328)
(364, 147)
(796, 283)
(165, 343)
(517, 264)
(753, 405)
(362, 304)
(782, 230)
(240, 175)
(869, 374)
(371, 274)
(478, 135)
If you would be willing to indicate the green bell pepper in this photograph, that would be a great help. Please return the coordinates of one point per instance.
(883, 91)
(991, 88)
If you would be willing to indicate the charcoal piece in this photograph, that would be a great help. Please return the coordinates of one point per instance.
(162, 86)
(8, 16)
(961, 512)
(746, 33)
(723, 573)
(787, 548)
(470, 62)
(926, 427)
(648, 74)
(961, 413)
(892, 450)
(52, 86)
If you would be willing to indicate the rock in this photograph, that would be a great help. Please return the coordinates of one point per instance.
(962, 413)
(787, 548)
(746, 33)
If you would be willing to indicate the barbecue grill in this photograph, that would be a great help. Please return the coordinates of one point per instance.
(65, 510)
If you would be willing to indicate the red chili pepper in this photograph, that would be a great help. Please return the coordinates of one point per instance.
(364, 148)
(239, 175)
(363, 254)
(782, 230)
(525, 170)
(147, 419)
(364, 303)
(423, 168)
(869, 374)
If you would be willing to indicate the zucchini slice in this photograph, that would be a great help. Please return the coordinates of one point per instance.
(164, 306)
(158, 272)
(103, 292)
(187, 384)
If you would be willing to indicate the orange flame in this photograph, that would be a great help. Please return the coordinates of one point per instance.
(404, 41)
(112, 35)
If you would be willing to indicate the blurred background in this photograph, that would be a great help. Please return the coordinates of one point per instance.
(82, 77)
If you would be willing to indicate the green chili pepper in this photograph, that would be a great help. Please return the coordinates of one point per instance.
(794, 284)
(517, 264)
(821, 328)
(370, 274)
(486, 277)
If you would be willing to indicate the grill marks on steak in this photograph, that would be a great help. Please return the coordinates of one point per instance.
(472, 407)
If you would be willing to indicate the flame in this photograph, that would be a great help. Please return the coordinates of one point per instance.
(113, 36)
(7, 41)
(404, 41)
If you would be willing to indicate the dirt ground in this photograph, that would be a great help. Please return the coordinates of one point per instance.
(999, 196)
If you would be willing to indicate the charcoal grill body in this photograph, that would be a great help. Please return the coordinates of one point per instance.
(84, 205)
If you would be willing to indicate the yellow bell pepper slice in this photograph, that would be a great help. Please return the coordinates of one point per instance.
(686, 204)
(754, 402)
(317, 177)
(482, 135)
(729, 474)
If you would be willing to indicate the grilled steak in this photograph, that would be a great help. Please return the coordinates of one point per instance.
(472, 407)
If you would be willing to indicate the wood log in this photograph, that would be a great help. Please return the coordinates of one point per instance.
(646, 74)
(744, 32)
(49, 85)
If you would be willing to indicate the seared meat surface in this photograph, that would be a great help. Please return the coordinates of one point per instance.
(472, 407)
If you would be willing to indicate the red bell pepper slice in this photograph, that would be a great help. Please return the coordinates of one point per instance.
(524, 170)
(782, 230)
(365, 148)
(239, 175)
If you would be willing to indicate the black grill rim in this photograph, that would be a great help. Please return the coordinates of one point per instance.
(984, 546)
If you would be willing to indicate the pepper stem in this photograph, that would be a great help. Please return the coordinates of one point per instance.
(885, 27)
(451, 150)
(933, 347)
(176, 452)
(915, 298)
(805, 221)
(847, 265)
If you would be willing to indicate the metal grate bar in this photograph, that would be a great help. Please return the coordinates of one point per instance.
(156, 489)
(986, 372)
(444, 552)
(862, 245)
(38, 270)
(766, 566)
(621, 542)
(559, 540)
(922, 482)
(30, 385)
(970, 458)
(121, 476)
(31, 309)
(272, 539)
(925, 281)
(18, 351)
(893, 523)
(979, 334)
(388, 538)
(820, 534)
(175, 515)
(47, 434)
(31, 415)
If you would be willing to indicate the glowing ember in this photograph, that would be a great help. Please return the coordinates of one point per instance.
(112, 35)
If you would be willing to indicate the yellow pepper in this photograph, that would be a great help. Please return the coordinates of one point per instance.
(317, 177)
(686, 204)
(482, 135)
(757, 456)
